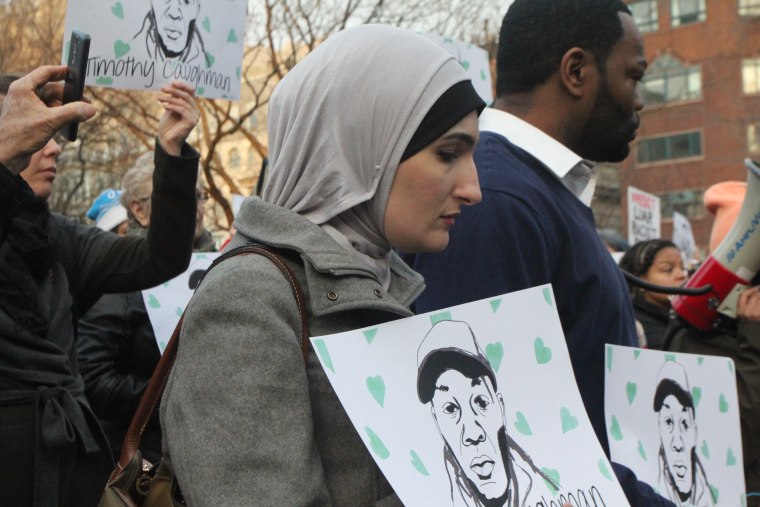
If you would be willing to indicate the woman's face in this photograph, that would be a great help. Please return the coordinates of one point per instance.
(42, 168)
(667, 269)
(430, 188)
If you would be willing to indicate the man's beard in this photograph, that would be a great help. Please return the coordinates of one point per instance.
(607, 135)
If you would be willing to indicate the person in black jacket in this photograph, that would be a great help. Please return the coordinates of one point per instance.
(657, 261)
(117, 348)
(52, 269)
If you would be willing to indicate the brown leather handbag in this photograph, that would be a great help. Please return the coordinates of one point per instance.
(137, 483)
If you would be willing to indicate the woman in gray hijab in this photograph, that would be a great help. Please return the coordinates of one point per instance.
(370, 143)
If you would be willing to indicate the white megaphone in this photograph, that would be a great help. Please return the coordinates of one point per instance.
(731, 266)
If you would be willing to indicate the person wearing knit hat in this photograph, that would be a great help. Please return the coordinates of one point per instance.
(485, 466)
(108, 213)
(682, 477)
(724, 201)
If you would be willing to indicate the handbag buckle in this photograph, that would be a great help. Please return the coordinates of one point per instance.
(142, 485)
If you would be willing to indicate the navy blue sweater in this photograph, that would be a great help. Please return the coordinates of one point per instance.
(530, 230)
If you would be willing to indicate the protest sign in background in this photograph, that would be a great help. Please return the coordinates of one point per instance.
(144, 44)
(473, 59)
(375, 373)
(643, 216)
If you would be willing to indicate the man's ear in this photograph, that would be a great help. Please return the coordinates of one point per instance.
(577, 71)
(138, 211)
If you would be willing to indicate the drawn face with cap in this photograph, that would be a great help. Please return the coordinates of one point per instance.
(469, 416)
(173, 22)
(678, 437)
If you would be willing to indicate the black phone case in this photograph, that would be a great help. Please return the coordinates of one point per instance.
(73, 88)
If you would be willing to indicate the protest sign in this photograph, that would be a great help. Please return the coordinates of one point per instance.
(473, 59)
(683, 237)
(144, 44)
(166, 302)
(674, 420)
(476, 401)
(643, 216)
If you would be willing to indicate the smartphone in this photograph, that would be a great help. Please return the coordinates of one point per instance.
(73, 87)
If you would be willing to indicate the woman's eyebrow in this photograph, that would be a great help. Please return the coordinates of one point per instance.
(460, 136)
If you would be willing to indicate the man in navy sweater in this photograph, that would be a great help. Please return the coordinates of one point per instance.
(566, 91)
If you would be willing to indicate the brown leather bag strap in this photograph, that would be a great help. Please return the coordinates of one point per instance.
(160, 375)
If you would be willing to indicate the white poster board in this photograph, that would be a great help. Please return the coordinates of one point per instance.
(643, 216)
(658, 445)
(144, 44)
(683, 236)
(432, 428)
(475, 61)
(166, 302)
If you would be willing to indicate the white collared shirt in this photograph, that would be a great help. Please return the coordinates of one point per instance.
(576, 174)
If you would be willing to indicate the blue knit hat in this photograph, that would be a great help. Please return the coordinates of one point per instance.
(107, 211)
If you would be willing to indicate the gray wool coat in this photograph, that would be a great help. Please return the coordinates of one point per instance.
(244, 422)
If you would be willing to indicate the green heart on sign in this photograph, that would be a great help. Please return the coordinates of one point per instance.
(696, 395)
(705, 449)
(231, 37)
(630, 390)
(324, 354)
(495, 304)
(209, 60)
(206, 24)
(553, 474)
(731, 366)
(200, 91)
(466, 64)
(603, 468)
(162, 346)
(722, 404)
(700, 360)
(104, 81)
(118, 10)
(615, 429)
(636, 353)
(376, 386)
(715, 492)
(543, 353)
(609, 358)
(670, 357)
(483, 75)
(153, 302)
(642, 452)
(178, 311)
(376, 444)
(237, 72)
(494, 354)
(437, 317)
(521, 424)
(548, 296)
(369, 335)
(569, 421)
(730, 458)
(418, 464)
(120, 48)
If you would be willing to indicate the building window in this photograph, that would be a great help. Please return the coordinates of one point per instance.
(668, 80)
(645, 14)
(686, 202)
(671, 147)
(751, 75)
(234, 158)
(683, 12)
(749, 7)
(753, 137)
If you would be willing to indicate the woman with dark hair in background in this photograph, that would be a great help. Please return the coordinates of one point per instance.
(657, 261)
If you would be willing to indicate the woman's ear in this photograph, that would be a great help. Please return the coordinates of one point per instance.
(578, 72)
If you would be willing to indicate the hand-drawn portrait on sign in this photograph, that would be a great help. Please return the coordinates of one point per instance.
(485, 466)
(682, 477)
(169, 31)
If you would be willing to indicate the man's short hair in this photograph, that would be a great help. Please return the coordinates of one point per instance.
(535, 34)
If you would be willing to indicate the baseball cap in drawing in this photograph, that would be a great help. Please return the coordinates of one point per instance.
(672, 379)
(449, 345)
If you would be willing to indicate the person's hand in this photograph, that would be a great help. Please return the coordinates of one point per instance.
(32, 114)
(749, 304)
(180, 116)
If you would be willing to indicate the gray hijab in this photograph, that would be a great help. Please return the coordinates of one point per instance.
(339, 123)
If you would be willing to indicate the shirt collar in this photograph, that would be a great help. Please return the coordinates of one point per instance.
(554, 155)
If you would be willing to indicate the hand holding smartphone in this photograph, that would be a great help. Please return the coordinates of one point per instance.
(73, 88)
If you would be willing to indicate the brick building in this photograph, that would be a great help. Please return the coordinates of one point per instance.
(702, 103)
